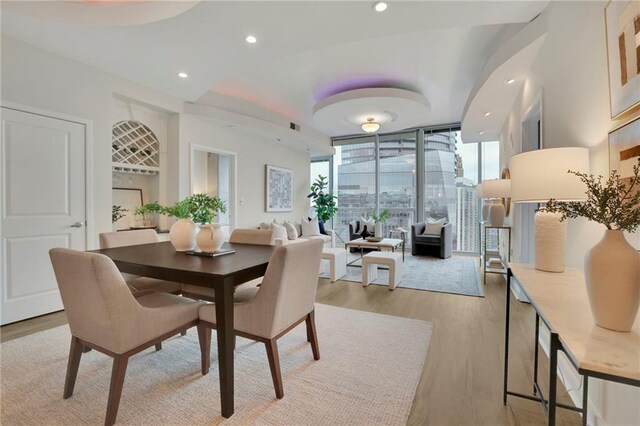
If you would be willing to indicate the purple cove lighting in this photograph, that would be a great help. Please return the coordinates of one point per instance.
(355, 83)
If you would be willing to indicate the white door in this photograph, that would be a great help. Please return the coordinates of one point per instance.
(43, 206)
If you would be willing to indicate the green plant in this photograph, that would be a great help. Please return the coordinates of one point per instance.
(382, 217)
(149, 208)
(204, 208)
(614, 203)
(179, 210)
(117, 213)
(323, 203)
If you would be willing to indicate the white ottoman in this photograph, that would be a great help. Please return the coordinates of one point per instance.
(370, 262)
(337, 262)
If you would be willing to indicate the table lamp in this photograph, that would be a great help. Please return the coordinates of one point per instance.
(496, 190)
(537, 176)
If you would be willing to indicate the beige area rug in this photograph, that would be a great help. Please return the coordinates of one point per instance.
(368, 373)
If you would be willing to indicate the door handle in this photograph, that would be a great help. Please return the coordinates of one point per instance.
(77, 225)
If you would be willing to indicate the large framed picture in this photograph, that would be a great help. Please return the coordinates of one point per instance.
(279, 189)
(624, 151)
(623, 53)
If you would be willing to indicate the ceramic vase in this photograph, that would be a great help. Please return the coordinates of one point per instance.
(550, 241)
(378, 230)
(210, 238)
(612, 272)
(183, 235)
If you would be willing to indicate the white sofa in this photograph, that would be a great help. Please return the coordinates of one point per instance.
(329, 238)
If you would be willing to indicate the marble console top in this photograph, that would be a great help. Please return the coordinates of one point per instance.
(561, 299)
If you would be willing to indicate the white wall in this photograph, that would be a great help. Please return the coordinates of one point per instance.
(253, 153)
(571, 73)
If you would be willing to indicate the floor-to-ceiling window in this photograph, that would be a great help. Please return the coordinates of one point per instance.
(377, 172)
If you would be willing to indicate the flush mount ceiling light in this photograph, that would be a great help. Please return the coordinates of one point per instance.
(251, 39)
(370, 126)
(509, 81)
(183, 74)
(488, 113)
(380, 6)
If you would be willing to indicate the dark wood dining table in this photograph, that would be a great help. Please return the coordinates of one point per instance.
(222, 273)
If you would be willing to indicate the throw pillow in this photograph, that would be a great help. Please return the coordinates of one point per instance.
(369, 223)
(280, 231)
(264, 225)
(310, 228)
(292, 232)
(354, 226)
(321, 226)
(433, 227)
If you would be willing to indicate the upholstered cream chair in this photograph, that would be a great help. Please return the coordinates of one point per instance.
(285, 299)
(139, 286)
(258, 237)
(104, 315)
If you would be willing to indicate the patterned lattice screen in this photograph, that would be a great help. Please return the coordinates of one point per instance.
(134, 148)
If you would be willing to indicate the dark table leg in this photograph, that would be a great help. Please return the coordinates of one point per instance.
(225, 334)
(585, 399)
(535, 355)
(553, 377)
(506, 337)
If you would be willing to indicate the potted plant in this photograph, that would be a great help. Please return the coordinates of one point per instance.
(147, 210)
(117, 213)
(612, 267)
(183, 231)
(204, 209)
(324, 203)
(380, 219)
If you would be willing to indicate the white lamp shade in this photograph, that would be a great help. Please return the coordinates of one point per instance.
(479, 190)
(537, 176)
(496, 188)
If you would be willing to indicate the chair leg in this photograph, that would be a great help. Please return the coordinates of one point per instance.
(204, 337)
(183, 333)
(159, 346)
(75, 353)
(115, 390)
(274, 365)
(86, 349)
(312, 335)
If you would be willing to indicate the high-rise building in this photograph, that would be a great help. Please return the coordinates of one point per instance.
(468, 211)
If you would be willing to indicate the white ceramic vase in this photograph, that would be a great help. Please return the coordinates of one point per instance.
(210, 238)
(550, 241)
(183, 235)
(612, 272)
(378, 233)
(485, 211)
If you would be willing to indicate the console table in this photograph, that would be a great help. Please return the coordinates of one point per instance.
(560, 301)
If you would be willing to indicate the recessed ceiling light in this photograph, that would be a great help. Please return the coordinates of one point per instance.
(183, 75)
(488, 113)
(509, 81)
(380, 6)
(251, 39)
(481, 132)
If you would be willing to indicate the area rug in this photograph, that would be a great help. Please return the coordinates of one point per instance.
(368, 373)
(456, 275)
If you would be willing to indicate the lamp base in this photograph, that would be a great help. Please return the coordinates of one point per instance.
(550, 242)
(497, 212)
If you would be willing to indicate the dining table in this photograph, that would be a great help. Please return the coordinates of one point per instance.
(221, 273)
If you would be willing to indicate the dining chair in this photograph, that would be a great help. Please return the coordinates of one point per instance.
(138, 285)
(103, 315)
(285, 299)
(260, 237)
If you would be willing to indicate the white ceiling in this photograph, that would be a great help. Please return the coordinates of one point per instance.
(306, 51)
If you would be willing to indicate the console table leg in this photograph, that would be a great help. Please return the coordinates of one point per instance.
(553, 377)
(506, 336)
(535, 355)
(585, 399)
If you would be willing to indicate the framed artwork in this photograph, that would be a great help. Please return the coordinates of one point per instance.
(623, 54)
(624, 151)
(279, 189)
(129, 199)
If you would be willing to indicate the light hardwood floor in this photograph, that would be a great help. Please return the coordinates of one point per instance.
(461, 383)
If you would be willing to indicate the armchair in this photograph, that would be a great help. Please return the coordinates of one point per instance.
(430, 244)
